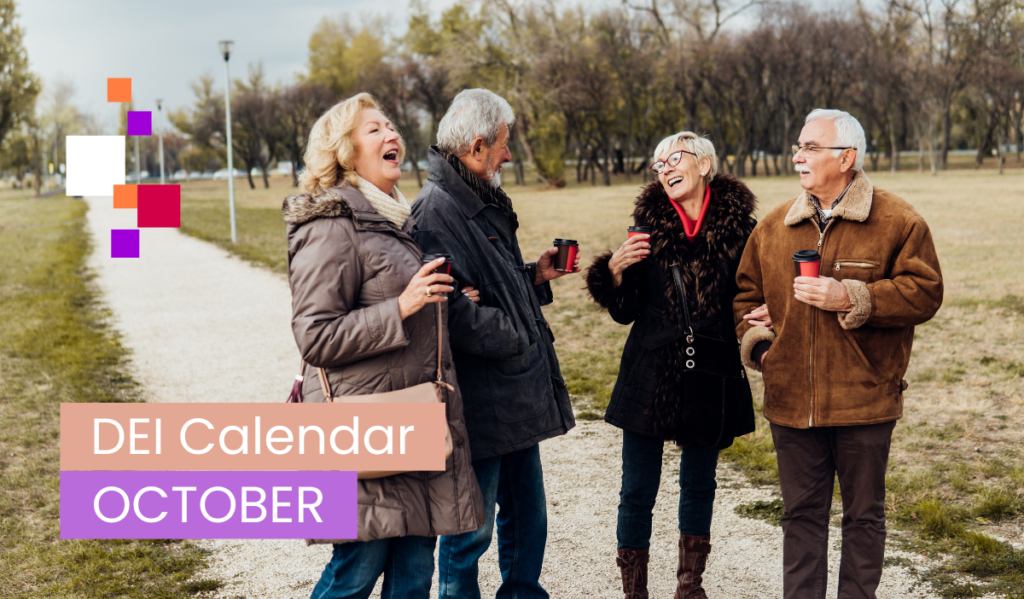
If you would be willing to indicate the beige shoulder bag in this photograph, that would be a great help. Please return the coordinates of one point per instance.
(422, 393)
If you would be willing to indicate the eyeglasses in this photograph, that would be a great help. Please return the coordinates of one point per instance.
(812, 150)
(672, 160)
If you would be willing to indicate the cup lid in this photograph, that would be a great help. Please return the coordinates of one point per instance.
(431, 257)
(566, 242)
(806, 256)
(639, 229)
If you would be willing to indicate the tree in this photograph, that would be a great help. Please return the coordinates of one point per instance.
(298, 107)
(256, 131)
(18, 86)
(204, 127)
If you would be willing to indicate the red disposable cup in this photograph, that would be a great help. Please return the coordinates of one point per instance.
(632, 231)
(565, 259)
(806, 263)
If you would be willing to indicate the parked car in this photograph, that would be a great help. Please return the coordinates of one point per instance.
(179, 174)
(223, 174)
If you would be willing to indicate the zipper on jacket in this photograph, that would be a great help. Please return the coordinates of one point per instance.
(854, 264)
(810, 345)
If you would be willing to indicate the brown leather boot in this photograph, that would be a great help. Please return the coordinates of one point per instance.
(693, 556)
(633, 563)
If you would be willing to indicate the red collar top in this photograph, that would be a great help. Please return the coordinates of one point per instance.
(689, 227)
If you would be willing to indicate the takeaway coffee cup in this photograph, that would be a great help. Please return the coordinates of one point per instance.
(631, 231)
(806, 263)
(444, 268)
(566, 256)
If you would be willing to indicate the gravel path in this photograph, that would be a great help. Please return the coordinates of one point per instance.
(203, 325)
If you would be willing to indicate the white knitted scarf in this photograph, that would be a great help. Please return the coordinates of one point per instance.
(393, 207)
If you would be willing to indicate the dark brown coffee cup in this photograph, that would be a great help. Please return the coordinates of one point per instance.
(806, 263)
(565, 259)
(443, 268)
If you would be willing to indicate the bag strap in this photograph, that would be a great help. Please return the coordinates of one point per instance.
(678, 279)
(325, 384)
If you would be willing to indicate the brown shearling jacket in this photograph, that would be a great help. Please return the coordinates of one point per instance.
(846, 368)
(347, 265)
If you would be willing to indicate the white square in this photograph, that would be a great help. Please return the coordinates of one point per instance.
(95, 164)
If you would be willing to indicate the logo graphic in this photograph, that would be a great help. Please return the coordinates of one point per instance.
(96, 165)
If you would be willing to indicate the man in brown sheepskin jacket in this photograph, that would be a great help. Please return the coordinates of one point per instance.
(834, 348)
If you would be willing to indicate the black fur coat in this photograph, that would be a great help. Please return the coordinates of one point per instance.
(655, 393)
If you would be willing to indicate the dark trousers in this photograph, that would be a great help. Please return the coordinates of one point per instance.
(641, 477)
(809, 460)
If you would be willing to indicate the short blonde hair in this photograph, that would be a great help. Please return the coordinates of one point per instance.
(331, 146)
(691, 142)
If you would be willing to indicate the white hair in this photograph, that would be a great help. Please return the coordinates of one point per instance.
(474, 113)
(690, 141)
(848, 132)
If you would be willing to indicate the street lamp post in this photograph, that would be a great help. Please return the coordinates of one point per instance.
(160, 110)
(225, 49)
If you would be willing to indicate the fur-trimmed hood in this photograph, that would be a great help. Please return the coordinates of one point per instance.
(304, 207)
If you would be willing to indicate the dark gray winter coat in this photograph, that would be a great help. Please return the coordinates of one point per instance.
(512, 389)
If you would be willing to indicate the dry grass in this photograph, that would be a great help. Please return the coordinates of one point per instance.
(55, 347)
(959, 443)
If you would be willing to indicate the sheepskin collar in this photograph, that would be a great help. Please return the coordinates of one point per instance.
(855, 205)
(344, 200)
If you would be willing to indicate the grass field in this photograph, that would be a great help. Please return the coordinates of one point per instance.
(956, 481)
(54, 348)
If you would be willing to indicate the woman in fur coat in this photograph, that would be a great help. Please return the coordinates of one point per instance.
(676, 382)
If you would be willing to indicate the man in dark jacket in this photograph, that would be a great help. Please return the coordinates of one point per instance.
(514, 395)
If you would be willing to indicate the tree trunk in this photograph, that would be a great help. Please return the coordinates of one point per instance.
(894, 148)
(999, 147)
(946, 124)
(248, 173)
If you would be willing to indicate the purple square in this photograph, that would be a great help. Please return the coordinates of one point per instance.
(124, 243)
(140, 122)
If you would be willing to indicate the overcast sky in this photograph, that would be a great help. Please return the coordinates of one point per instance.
(163, 46)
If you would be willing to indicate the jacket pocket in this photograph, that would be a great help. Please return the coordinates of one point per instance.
(520, 388)
(868, 271)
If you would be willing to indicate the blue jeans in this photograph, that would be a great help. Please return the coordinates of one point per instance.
(407, 564)
(515, 482)
(641, 476)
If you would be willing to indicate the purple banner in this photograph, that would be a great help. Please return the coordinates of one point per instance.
(207, 505)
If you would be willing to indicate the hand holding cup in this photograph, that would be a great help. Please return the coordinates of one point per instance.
(426, 287)
(633, 250)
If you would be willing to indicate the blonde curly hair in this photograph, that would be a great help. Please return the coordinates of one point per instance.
(331, 146)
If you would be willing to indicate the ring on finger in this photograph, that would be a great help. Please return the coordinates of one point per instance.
(428, 291)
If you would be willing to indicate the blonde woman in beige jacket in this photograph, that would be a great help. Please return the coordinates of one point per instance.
(358, 298)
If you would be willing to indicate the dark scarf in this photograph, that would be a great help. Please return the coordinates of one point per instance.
(483, 190)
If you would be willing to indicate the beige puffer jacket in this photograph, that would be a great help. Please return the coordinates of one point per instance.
(347, 265)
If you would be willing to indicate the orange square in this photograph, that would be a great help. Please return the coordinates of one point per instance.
(126, 196)
(119, 90)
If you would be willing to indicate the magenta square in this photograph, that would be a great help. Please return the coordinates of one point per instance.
(140, 122)
(159, 206)
(124, 243)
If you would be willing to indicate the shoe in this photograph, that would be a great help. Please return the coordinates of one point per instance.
(693, 556)
(633, 564)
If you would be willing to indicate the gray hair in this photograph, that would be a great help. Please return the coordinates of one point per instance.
(474, 113)
(848, 132)
(693, 143)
